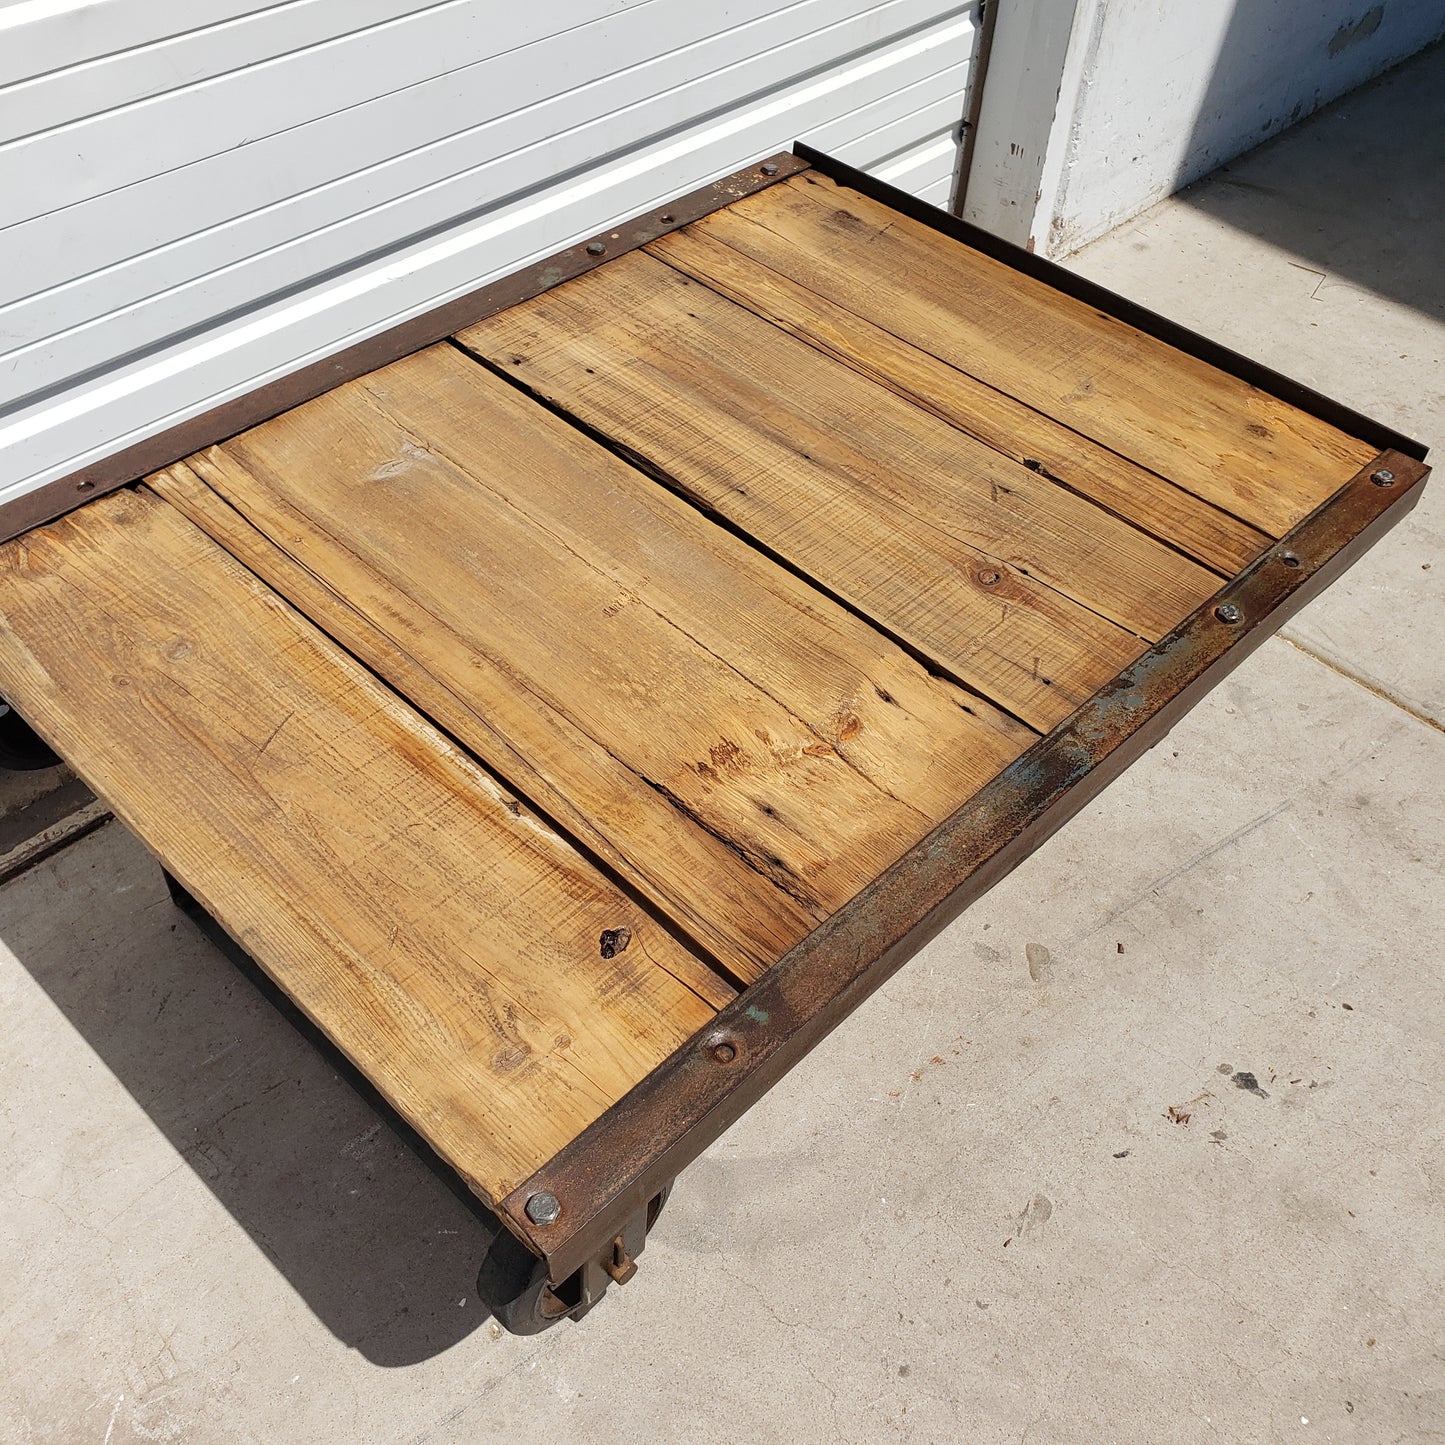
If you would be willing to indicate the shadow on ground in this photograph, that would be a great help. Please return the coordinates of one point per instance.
(1357, 191)
(378, 1247)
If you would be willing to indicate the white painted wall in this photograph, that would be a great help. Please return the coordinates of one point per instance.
(197, 196)
(1152, 94)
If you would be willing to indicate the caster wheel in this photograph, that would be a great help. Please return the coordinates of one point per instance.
(513, 1284)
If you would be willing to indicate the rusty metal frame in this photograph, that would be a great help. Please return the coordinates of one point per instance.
(607, 1175)
(652, 1133)
(55, 498)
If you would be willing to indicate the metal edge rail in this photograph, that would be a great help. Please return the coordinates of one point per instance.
(605, 1175)
(119, 469)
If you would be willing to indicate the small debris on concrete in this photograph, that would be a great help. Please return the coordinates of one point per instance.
(1122, 1154)
(1246, 1081)
(1039, 960)
(1182, 1113)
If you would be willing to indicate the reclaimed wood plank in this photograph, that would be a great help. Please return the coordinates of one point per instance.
(358, 634)
(1157, 506)
(447, 941)
(1255, 456)
(746, 751)
(1025, 591)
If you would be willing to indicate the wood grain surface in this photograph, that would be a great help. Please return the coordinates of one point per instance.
(1025, 591)
(1157, 506)
(446, 940)
(739, 746)
(1256, 457)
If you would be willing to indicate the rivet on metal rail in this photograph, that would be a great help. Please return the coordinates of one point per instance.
(1228, 612)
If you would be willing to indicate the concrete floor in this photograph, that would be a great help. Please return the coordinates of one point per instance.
(969, 1215)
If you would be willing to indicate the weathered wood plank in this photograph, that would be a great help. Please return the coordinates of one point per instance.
(1257, 457)
(1014, 584)
(1160, 508)
(446, 940)
(744, 749)
(186, 492)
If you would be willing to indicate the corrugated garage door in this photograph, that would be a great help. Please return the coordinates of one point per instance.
(199, 195)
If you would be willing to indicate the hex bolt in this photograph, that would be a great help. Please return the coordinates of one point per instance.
(543, 1208)
(1228, 612)
(770, 169)
(1383, 478)
(596, 248)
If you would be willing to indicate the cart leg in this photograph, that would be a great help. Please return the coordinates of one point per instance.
(513, 1281)
(179, 896)
(21, 750)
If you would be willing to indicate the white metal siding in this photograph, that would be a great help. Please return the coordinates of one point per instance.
(200, 195)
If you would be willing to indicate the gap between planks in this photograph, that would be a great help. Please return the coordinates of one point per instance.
(1024, 591)
(1156, 506)
(374, 871)
(465, 543)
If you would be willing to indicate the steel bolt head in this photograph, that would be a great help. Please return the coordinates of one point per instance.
(1383, 478)
(1228, 612)
(543, 1208)
(596, 248)
(770, 169)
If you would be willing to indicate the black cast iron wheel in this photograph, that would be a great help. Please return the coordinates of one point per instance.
(512, 1282)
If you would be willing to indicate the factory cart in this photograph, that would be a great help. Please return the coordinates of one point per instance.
(579, 698)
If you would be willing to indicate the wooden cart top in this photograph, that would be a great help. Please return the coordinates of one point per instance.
(520, 703)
